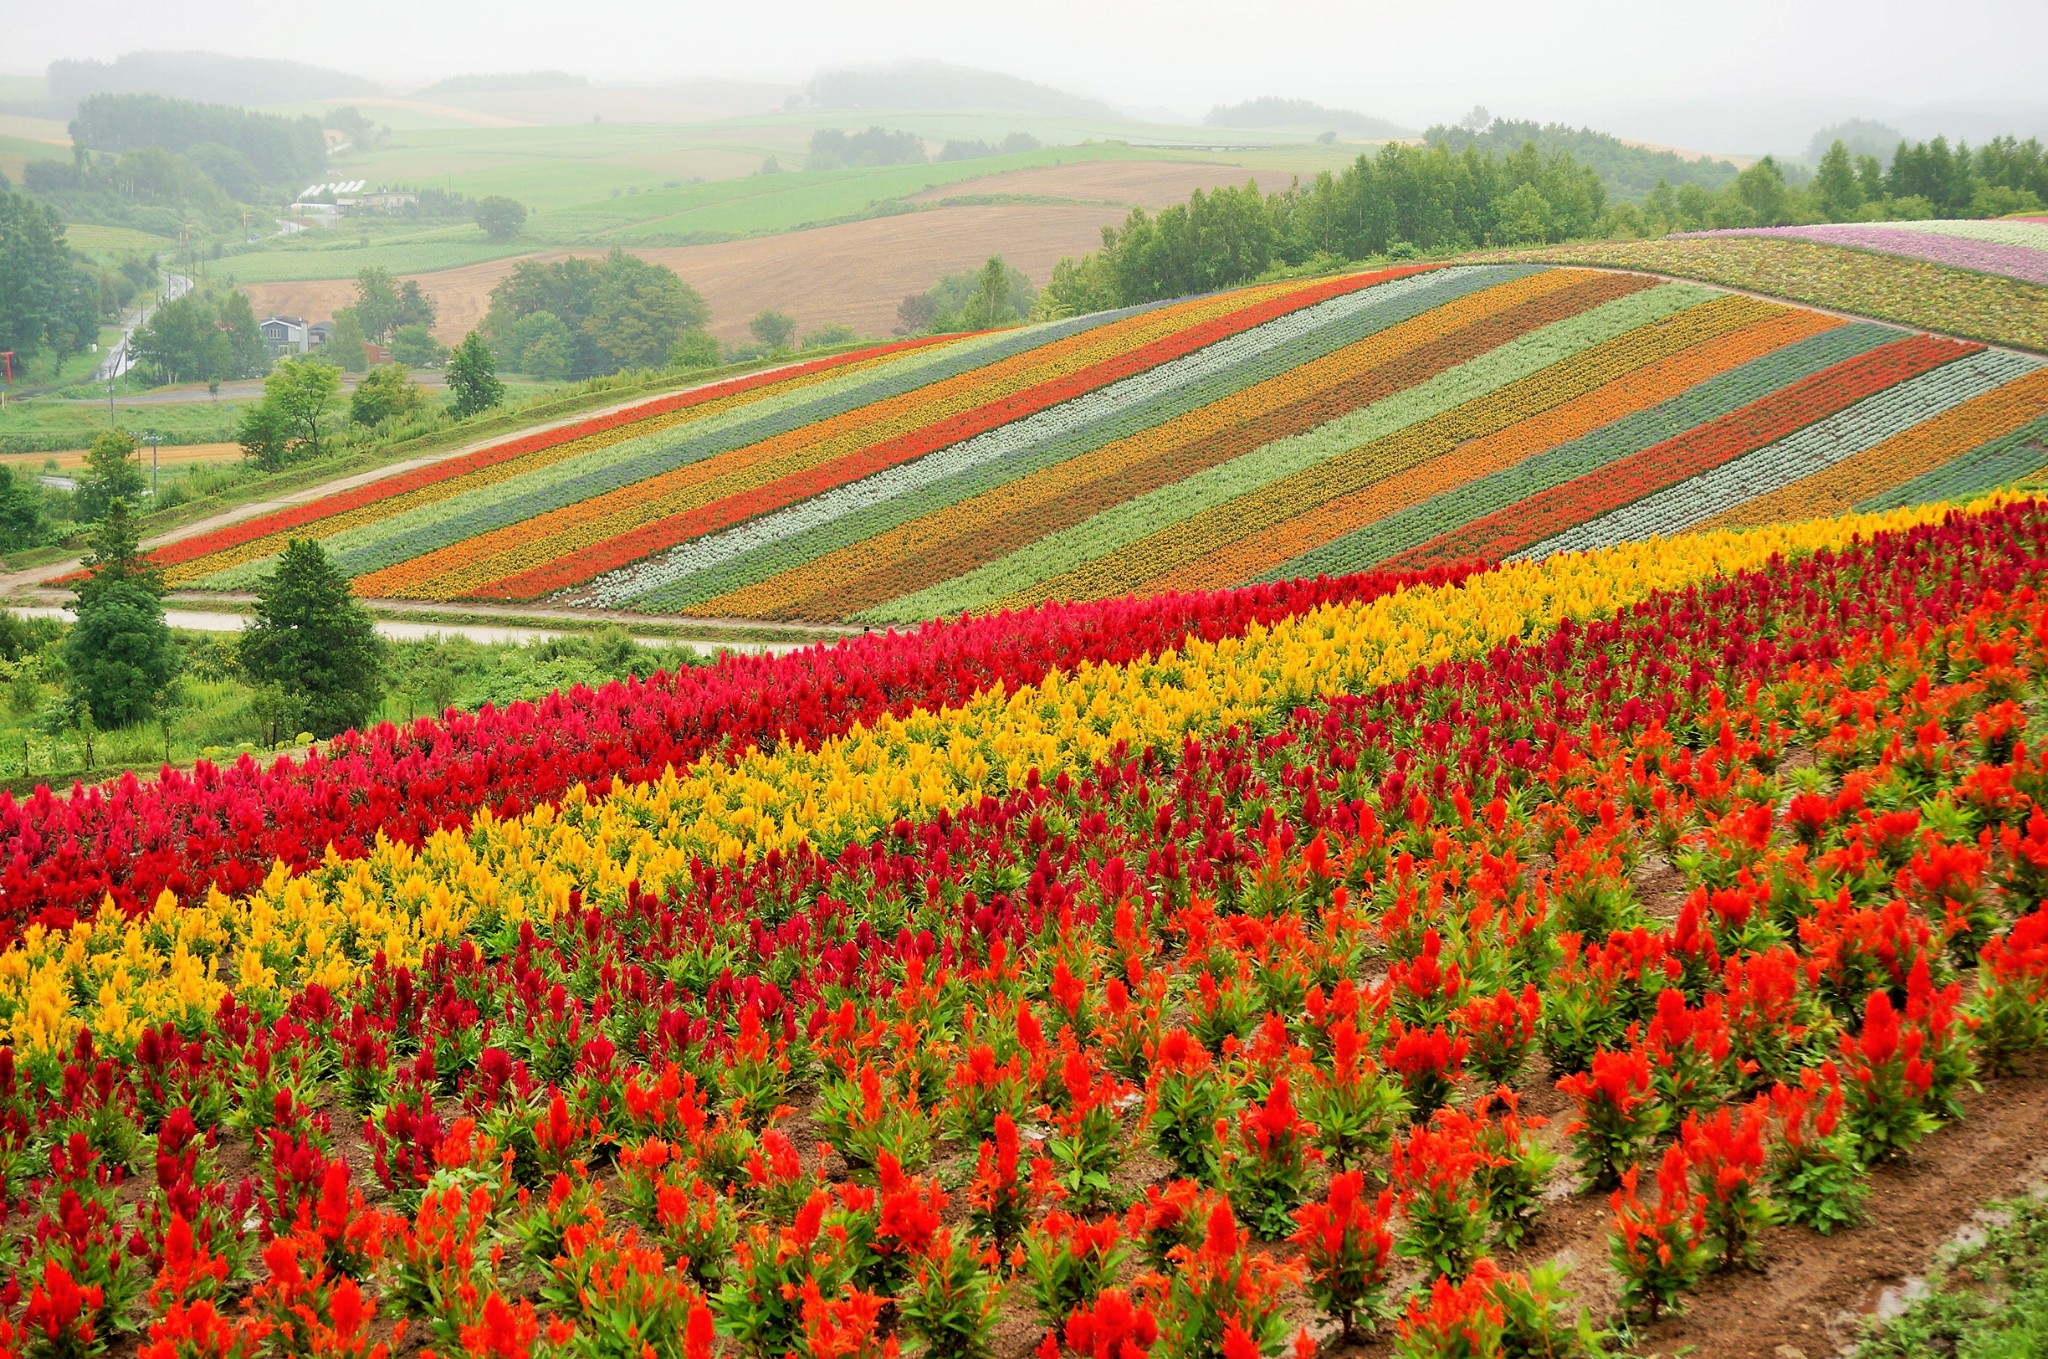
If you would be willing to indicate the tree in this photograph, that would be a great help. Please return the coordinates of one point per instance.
(114, 554)
(414, 307)
(299, 393)
(988, 306)
(24, 518)
(1835, 187)
(697, 349)
(915, 314)
(345, 342)
(47, 301)
(376, 302)
(385, 393)
(773, 329)
(312, 638)
(264, 438)
(1523, 217)
(112, 474)
(119, 654)
(831, 333)
(473, 378)
(542, 346)
(619, 312)
(415, 347)
(639, 311)
(501, 218)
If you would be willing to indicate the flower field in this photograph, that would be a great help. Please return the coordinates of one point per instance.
(1213, 975)
(1891, 287)
(2012, 248)
(1415, 415)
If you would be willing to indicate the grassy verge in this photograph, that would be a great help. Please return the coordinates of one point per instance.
(212, 712)
(1986, 1297)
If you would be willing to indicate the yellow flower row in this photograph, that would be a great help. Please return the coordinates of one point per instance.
(118, 975)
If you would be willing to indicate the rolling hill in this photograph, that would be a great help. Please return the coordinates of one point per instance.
(1407, 417)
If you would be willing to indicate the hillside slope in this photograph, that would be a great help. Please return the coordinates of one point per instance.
(1409, 416)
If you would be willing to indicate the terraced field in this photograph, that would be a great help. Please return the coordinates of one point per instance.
(1406, 417)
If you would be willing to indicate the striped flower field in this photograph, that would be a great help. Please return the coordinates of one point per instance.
(2010, 247)
(1405, 417)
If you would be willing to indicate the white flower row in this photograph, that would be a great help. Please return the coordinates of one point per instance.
(616, 587)
(1813, 449)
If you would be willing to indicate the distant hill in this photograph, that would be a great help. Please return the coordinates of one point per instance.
(933, 85)
(206, 76)
(510, 80)
(1629, 171)
(1275, 112)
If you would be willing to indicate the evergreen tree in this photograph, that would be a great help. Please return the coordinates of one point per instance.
(311, 638)
(118, 655)
(473, 378)
(112, 474)
(1835, 187)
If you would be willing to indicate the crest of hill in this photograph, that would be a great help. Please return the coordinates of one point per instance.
(1271, 111)
(207, 77)
(935, 86)
(1628, 171)
(508, 81)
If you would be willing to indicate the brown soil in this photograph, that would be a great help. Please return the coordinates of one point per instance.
(1139, 183)
(855, 273)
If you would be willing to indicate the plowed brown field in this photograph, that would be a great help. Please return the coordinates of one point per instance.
(855, 273)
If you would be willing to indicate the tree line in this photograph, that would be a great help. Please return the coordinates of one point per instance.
(278, 150)
(1406, 202)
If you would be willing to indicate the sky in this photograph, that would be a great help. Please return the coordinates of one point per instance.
(1669, 66)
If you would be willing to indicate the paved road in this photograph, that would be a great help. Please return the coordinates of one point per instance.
(193, 620)
(121, 360)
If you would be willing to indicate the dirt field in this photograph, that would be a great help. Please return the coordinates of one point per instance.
(165, 456)
(1141, 183)
(855, 273)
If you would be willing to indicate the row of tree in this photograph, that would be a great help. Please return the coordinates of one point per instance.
(277, 151)
(49, 301)
(1406, 201)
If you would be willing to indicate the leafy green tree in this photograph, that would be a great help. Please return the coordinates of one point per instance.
(541, 346)
(313, 638)
(415, 347)
(345, 342)
(989, 305)
(114, 553)
(773, 329)
(377, 302)
(1522, 218)
(697, 349)
(24, 516)
(179, 342)
(301, 392)
(473, 378)
(414, 307)
(48, 302)
(385, 393)
(265, 438)
(639, 312)
(1835, 188)
(112, 474)
(501, 218)
(247, 354)
(831, 333)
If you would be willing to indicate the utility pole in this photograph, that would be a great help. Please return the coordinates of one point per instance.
(154, 439)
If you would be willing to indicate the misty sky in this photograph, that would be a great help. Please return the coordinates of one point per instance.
(1417, 62)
